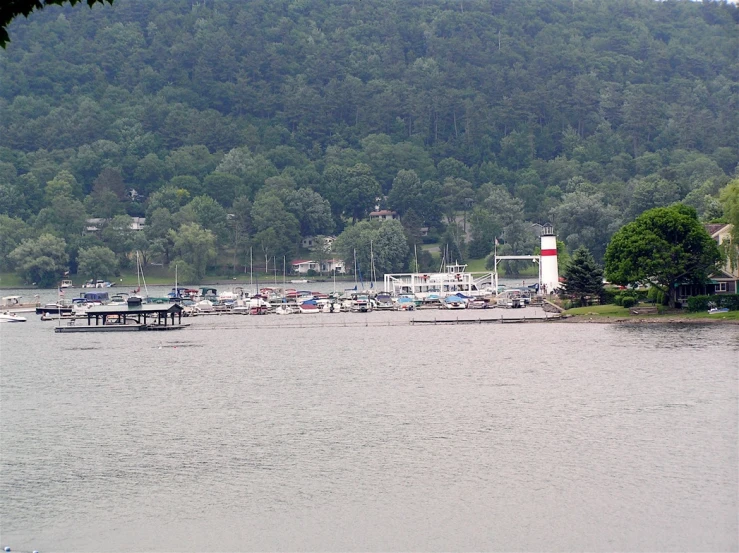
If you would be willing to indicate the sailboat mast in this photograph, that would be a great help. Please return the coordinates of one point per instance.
(372, 265)
(355, 268)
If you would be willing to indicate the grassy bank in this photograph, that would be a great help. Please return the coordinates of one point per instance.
(617, 312)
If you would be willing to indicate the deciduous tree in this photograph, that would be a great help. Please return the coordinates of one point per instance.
(42, 261)
(663, 247)
(97, 262)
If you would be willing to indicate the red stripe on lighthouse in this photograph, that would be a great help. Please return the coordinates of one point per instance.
(548, 252)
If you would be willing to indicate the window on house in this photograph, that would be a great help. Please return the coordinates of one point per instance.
(720, 287)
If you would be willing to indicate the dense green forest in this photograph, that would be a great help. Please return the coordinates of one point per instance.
(234, 126)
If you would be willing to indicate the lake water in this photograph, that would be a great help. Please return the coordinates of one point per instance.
(290, 433)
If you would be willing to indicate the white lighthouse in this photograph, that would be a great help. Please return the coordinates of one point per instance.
(548, 263)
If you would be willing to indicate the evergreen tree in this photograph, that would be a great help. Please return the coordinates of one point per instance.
(583, 277)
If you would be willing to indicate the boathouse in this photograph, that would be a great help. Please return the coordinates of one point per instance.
(134, 316)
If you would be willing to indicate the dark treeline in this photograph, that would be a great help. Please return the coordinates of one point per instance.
(293, 117)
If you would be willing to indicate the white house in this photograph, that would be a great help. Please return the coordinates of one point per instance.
(383, 215)
(302, 266)
(331, 265)
(96, 224)
(726, 279)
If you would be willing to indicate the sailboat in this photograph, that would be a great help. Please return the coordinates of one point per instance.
(139, 278)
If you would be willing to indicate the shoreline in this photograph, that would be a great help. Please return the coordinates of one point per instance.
(582, 319)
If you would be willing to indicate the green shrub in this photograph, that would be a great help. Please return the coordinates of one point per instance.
(628, 301)
(698, 303)
(703, 303)
(618, 299)
(609, 294)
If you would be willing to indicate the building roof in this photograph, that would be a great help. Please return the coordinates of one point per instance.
(302, 261)
(713, 228)
(383, 212)
(134, 309)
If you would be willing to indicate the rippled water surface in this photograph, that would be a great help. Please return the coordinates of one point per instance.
(249, 433)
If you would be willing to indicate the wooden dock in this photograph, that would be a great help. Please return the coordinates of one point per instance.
(118, 328)
(502, 320)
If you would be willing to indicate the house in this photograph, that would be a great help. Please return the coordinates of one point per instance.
(726, 279)
(138, 223)
(331, 265)
(383, 215)
(96, 224)
(312, 242)
(302, 266)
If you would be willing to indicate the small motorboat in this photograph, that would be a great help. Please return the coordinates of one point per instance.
(714, 310)
(10, 317)
(308, 307)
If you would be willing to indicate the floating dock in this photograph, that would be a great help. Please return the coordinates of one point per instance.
(503, 320)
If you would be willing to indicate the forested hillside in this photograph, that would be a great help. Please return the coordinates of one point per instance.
(237, 125)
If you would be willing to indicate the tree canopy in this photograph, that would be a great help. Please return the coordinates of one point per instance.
(584, 115)
(663, 247)
(13, 8)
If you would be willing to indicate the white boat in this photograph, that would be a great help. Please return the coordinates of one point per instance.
(455, 302)
(286, 309)
(454, 279)
(383, 302)
(714, 310)
(10, 317)
(97, 284)
(13, 304)
(360, 304)
(510, 299)
(204, 306)
(66, 283)
(119, 299)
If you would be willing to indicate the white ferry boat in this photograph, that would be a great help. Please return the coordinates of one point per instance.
(453, 281)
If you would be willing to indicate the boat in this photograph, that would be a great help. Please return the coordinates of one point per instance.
(14, 305)
(448, 282)
(98, 284)
(286, 309)
(455, 302)
(715, 310)
(360, 303)
(406, 303)
(510, 299)
(66, 283)
(308, 307)
(119, 299)
(383, 302)
(94, 297)
(57, 308)
(10, 317)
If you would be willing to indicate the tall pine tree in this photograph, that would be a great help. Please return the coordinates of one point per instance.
(583, 277)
